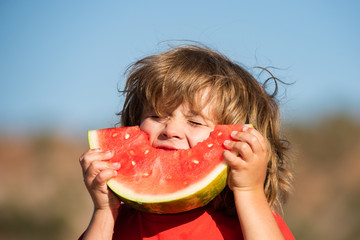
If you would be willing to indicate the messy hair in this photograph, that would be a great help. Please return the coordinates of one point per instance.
(164, 81)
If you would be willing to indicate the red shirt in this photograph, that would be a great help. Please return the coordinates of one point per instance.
(198, 224)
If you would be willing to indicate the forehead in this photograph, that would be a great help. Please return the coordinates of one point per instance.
(200, 104)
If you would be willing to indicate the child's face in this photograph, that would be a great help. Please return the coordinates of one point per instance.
(181, 130)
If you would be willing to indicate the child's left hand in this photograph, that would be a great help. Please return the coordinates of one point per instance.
(247, 156)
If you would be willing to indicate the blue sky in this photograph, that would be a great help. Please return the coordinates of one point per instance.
(62, 61)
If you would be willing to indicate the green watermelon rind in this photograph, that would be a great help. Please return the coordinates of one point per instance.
(194, 196)
(93, 139)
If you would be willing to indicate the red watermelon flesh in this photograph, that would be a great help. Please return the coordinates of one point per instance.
(165, 181)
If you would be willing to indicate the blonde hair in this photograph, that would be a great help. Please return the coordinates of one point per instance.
(166, 80)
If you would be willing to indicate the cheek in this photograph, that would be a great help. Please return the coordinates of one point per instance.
(200, 136)
(150, 128)
(146, 126)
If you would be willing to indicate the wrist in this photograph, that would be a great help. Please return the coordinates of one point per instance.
(253, 190)
(101, 225)
(106, 212)
(246, 197)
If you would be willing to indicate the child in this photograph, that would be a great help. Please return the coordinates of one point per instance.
(177, 97)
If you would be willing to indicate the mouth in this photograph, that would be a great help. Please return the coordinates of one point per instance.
(166, 147)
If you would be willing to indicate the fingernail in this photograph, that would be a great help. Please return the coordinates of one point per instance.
(245, 128)
(115, 173)
(109, 152)
(233, 133)
(116, 165)
(97, 150)
(226, 142)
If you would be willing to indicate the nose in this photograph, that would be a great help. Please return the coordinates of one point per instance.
(172, 129)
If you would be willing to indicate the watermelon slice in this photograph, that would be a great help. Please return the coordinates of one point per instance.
(164, 181)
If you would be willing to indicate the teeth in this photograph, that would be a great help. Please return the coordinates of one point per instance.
(127, 136)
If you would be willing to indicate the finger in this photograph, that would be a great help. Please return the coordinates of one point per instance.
(96, 167)
(101, 179)
(234, 161)
(259, 137)
(94, 155)
(251, 137)
(241, 149)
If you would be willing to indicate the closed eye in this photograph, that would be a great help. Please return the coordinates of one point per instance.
(194, 123)
(156, 118)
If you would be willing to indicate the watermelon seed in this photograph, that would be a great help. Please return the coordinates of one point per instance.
(195, 161)
(220, 133)
(146, 174)
(133, 163)
(127, 136)
(210, 145)
(146, 152)
(115, 134)
(132, 153)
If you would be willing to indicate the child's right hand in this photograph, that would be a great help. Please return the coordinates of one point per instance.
(97, 171)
